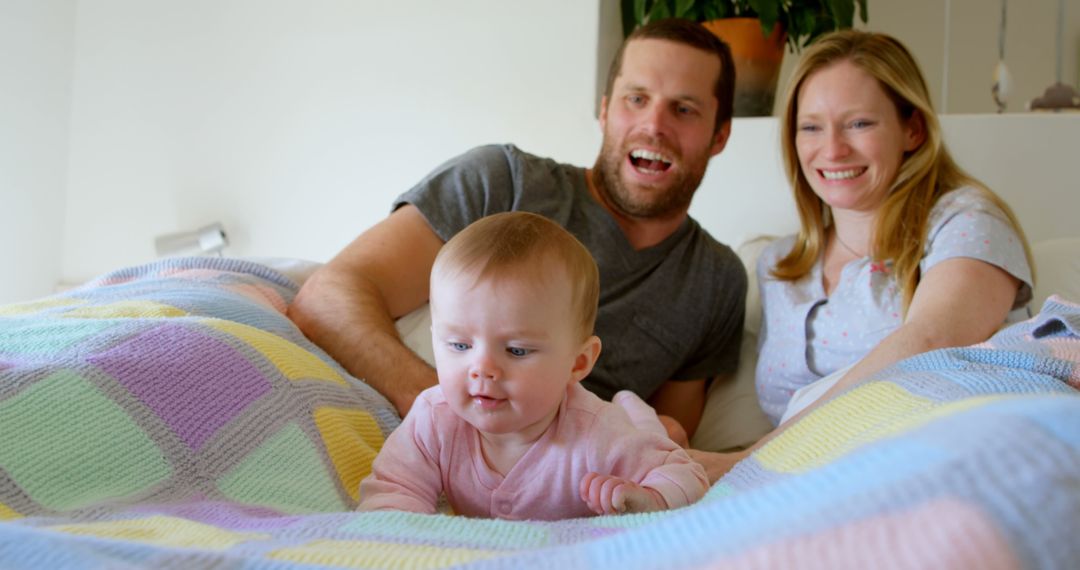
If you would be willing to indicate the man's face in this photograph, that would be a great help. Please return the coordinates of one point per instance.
(658, 129)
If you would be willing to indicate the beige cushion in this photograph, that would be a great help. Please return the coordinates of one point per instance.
(415, 331)
(732, 418)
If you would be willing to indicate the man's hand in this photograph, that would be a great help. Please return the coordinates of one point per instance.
(675, 430)
(607, 495)
(717, 464)
(683, 401)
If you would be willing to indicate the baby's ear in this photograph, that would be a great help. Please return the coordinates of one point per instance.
(586, 358)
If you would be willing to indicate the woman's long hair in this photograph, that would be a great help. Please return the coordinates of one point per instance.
(925, 174)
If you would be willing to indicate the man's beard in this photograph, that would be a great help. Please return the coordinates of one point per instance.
(664, 203)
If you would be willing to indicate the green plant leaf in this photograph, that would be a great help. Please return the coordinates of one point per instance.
(768, 11)
(804, 20)
(801, 30)
(627, 9)
(715, 11)
(659, 11)
(843, 13)
(684, 8)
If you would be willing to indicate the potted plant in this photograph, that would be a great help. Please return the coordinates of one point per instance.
(757, 31)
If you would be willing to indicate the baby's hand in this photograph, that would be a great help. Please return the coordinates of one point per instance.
(607, 495)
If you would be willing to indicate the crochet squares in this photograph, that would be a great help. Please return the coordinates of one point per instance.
(45, 338)
(291, 360)
(162, 531)
(41, 306)
(195, 383)
(380, 554)
(308, 487)
(127, 309)
(352, 440)
(66, 415)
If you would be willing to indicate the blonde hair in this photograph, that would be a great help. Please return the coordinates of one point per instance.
(516, 245)
(925, 174)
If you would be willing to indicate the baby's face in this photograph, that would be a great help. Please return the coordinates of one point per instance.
(504, 350)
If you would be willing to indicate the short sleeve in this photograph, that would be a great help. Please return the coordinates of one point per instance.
(463, 190)
(965, 223)
(719, 353)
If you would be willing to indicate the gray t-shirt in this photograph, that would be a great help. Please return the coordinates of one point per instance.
(673, 311)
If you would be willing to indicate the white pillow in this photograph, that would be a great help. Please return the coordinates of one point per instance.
(733, 418)
(1057, 270)
(415, 331)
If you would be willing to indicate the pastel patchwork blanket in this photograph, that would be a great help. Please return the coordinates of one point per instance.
(170, 416)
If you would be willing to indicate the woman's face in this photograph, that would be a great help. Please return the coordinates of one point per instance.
(850, 138)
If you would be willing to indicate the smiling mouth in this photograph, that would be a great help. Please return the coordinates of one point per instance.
(649, 162)
(842, 174)
(487, 402)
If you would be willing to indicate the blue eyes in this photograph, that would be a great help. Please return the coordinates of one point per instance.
(853, 125)
(512, 350)
(678, 109)
(857, 124)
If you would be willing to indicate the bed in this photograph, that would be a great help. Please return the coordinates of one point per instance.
(169, 415)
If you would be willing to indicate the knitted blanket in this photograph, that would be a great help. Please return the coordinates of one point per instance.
(169, 416)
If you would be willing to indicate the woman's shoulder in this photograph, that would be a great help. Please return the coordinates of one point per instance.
(774, 250)
(778, 246)
(965, 198)
(967, 206)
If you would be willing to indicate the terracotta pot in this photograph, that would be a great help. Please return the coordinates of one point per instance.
(757, 62)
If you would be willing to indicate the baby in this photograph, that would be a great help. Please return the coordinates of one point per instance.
(509, 432)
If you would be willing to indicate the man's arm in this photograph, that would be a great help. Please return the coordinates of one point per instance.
(682, 401)
(349, 305)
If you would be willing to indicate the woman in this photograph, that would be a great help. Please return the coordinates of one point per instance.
(899, 251)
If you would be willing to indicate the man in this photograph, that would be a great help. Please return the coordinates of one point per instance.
(672, 298)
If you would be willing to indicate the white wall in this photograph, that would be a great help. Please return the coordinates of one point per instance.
(290, 122)
(296, 122)
(35, 60)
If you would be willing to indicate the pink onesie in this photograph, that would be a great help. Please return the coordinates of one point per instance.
(434, 451)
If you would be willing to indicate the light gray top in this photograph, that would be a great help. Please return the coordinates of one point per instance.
(806, 335)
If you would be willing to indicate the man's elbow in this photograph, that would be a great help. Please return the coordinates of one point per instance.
(305, 307)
